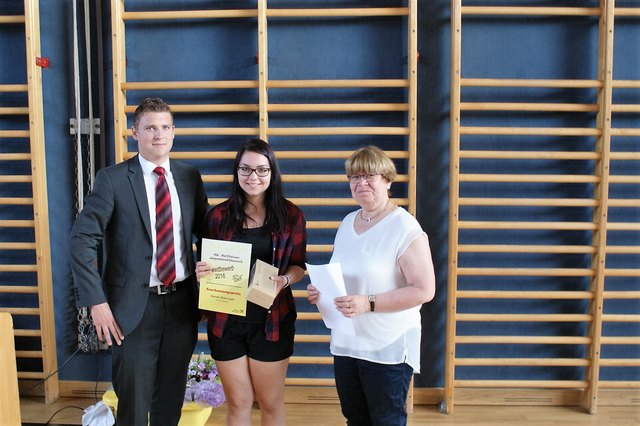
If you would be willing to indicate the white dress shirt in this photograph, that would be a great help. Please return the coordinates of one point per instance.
(150, 180)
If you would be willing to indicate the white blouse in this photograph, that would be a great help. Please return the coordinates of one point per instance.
(370, 265)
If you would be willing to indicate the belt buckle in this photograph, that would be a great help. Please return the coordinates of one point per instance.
(162, 289)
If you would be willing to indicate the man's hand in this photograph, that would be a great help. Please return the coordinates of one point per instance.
(106, 325)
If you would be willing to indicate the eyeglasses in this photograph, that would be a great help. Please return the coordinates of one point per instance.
(368, 177)
(260, 171)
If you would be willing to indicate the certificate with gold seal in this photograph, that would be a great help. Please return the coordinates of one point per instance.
(225, 288)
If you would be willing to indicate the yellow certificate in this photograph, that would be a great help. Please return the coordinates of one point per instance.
(225, 288)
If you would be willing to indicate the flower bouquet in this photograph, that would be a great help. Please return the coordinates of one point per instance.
(203, 383)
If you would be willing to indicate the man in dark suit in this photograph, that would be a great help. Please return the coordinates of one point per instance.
(150, 315)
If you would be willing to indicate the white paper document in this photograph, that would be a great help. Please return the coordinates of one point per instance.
(328, 280)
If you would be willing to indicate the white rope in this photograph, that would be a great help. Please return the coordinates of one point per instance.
(87, 34)
(76, 85)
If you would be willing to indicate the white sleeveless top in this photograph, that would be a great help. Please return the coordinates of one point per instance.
(369, 264)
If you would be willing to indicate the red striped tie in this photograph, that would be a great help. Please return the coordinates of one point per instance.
(165, 263)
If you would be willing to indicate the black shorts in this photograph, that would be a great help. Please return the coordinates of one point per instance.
(244, 338)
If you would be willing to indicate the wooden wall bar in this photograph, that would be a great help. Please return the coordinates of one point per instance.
(25, 266)
(587, 286)
(553, 277)
(264, 85)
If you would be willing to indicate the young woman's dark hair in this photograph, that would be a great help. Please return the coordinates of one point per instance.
(274, 202)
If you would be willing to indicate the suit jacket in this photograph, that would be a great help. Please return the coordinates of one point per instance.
(116, 212)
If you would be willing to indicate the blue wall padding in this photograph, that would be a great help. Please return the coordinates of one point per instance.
(364, 48)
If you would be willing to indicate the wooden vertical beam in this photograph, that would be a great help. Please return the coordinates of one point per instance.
(119, 78)
(454, 182)
(412, 123)
(412, 119)
(263, 68)
(602, 171)
(40, 204)
(9, 397)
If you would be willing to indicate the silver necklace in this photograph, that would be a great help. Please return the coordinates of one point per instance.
(369, 219)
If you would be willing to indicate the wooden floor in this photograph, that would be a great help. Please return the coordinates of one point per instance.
(34, 411)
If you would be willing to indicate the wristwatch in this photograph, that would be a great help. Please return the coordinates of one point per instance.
(372, 302)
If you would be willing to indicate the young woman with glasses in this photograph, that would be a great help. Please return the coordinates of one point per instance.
(252, 352)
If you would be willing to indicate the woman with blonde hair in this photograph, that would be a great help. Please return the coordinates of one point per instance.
(388, 273)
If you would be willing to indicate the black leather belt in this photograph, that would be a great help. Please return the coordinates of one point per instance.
(163, 290)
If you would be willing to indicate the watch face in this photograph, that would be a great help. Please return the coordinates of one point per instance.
(372, 298)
